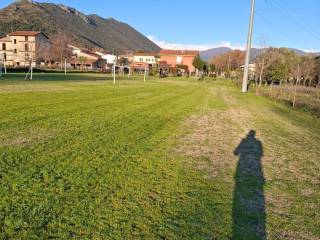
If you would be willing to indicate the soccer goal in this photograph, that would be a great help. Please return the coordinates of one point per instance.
(121, 68)
(3, 67)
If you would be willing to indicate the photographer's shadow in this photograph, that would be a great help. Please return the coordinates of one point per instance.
(248, 211)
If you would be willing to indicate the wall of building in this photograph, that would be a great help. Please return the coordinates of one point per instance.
(110, 59)
(144, 59)
(174, 60)
(188, 60)
(21, 50)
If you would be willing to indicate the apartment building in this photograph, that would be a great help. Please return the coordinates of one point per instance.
(21, 48)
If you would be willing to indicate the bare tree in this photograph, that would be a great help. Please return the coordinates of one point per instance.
(264, 61)
(308, 65)
(44, 52)
(229, 61)
(298, 79)
(317, 70)
(59, 49)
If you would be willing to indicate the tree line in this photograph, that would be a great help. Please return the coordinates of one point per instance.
(283, 66)
(272, 66)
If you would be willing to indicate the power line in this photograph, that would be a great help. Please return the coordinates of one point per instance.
(294, 21)
(275, 27)
(291, 9)
(304, 22)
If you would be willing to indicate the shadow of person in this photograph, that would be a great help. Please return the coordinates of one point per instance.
(248, 210)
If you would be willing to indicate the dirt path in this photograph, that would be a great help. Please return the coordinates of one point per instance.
(287, 166)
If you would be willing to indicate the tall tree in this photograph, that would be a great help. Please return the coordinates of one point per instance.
(317, 70)
(308, 69)
(59, 48)
(229, 61)
(198, 63)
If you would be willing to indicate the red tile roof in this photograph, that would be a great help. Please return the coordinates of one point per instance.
(179, 52)
(24, 33)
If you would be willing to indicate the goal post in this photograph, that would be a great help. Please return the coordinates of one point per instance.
(113, 72)
(3, 67)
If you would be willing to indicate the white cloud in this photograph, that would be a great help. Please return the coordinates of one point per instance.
(200, 47)
(311, 51)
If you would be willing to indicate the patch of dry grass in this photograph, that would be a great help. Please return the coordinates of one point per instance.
(25, 138)
(306, 97)
(290, 163)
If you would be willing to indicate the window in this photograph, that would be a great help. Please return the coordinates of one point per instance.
(179, 60)
(18, 64)
(26, 55)
(4, 47)
(26, 47)
(26, 38)
(141, 60)
(15, 50)
(15, 41)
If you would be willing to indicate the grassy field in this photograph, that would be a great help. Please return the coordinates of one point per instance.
(81, 158)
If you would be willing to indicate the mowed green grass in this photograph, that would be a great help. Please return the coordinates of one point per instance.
(85, 159)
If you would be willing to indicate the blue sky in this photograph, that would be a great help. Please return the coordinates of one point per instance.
(209, 23)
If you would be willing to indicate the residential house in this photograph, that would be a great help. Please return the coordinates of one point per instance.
(21, 48)
(83, 59)
(149, 58)
(109, 57)
(75, 49)
(128, 57)
(252, 67)
(179, 57)
(141, 61)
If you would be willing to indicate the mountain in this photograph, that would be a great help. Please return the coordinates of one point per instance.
(255, 52)
(86, 30)
(213, 52)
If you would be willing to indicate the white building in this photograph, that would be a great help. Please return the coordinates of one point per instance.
(252, 67)
(145, 57)
(110, 58)
(75, 50)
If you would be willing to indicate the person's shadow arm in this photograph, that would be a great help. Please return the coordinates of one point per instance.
(237, 151)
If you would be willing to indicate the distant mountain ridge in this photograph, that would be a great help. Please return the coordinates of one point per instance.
(213, 52)
(86, 30)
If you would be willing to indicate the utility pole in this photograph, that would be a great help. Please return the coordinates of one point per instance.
(31, 71)
(4, 64)
(1, 61)
(114, 73)
(249, 41)
(145, 73)
(65, 66)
